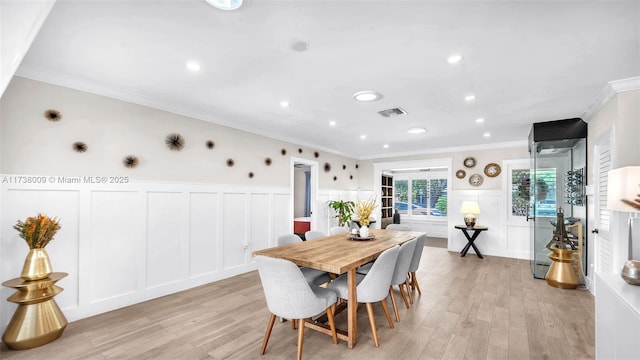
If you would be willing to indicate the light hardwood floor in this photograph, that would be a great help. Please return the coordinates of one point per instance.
(469, 309)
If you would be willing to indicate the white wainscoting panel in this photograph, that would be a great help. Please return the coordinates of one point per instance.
(126, 243)
(164, 238)
(22, 202)
(281, 218)
(260, 229)
(203, 232)
(112, 238)
(235, 217)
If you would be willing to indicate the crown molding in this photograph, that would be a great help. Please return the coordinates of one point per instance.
(607, 93)
(454, 149)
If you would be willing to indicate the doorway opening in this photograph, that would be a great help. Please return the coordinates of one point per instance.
(304, 187)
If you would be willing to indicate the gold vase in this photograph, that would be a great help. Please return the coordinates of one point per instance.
(36, 266)
(561, 273)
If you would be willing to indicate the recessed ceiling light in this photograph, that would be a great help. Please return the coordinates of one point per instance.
(332, 123)
(285, 104)
(193, 66)
(470, 97)
(363, 136)
(367, 95)
(417, 130)
(454, 59)
(480, 120)
(486, 134)
(386, 146)
(225, 4)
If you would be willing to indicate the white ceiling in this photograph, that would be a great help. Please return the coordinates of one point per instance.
(526, 61)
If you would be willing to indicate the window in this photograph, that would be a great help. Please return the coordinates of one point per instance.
(545, 193)
(520, 188)
(421, 194)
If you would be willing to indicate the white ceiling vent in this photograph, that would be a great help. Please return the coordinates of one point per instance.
(392, 112)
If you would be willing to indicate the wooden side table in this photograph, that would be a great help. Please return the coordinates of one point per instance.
(38, 319)
(470, 239)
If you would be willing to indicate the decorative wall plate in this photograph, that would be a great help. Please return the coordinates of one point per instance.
(469, 162)
(460, 174)
(476, 179)
(492, 170)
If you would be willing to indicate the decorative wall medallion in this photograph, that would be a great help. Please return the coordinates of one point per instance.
(460, 174)
(283, 152)
(267, 161)
(210, 144)
(335, 178)
(469, 162)
(174, 142)
(492, 170)
(53, 115)
(316, 154)
(80, 147)
(130, 161)
(230, 162)
(327, 167)
(476, 179)
(251, 175)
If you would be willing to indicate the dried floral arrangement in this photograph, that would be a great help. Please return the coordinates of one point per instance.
(364, 210)
(38, 231)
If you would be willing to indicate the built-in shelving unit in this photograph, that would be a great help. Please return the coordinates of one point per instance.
(386, 205)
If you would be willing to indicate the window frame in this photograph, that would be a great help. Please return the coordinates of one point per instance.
(410, 177)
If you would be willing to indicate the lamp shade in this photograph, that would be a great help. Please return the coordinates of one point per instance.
(470, 207)
(623, 189)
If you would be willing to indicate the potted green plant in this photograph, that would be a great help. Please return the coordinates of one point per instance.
(343, 210)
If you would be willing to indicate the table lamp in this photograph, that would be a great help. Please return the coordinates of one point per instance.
(623, 195)
(470, 209)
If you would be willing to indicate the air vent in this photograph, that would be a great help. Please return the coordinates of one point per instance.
(392, 112)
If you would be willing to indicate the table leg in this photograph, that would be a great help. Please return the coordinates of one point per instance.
(352, 308)
(470, 243)
(476, 250)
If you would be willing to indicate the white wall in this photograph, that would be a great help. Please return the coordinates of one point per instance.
(113, 129)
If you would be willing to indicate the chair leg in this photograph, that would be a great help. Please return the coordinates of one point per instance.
(386, 312)
(372, 322)
(404, 296)
(300, 337)
(272, 320)
(414, 282)
(406, 283)
(330, 311)
(393, 302)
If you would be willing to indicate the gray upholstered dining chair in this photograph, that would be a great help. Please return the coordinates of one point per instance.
(399, 227)
(400, 274)
(373, 287)
(313, 276)
(290, 296)
(415, 262)
(336, 230)
(313, 235)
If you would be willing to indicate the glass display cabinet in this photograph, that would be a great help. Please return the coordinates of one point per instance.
(558, 154)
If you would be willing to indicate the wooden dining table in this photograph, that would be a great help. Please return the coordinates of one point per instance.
(339, 254)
